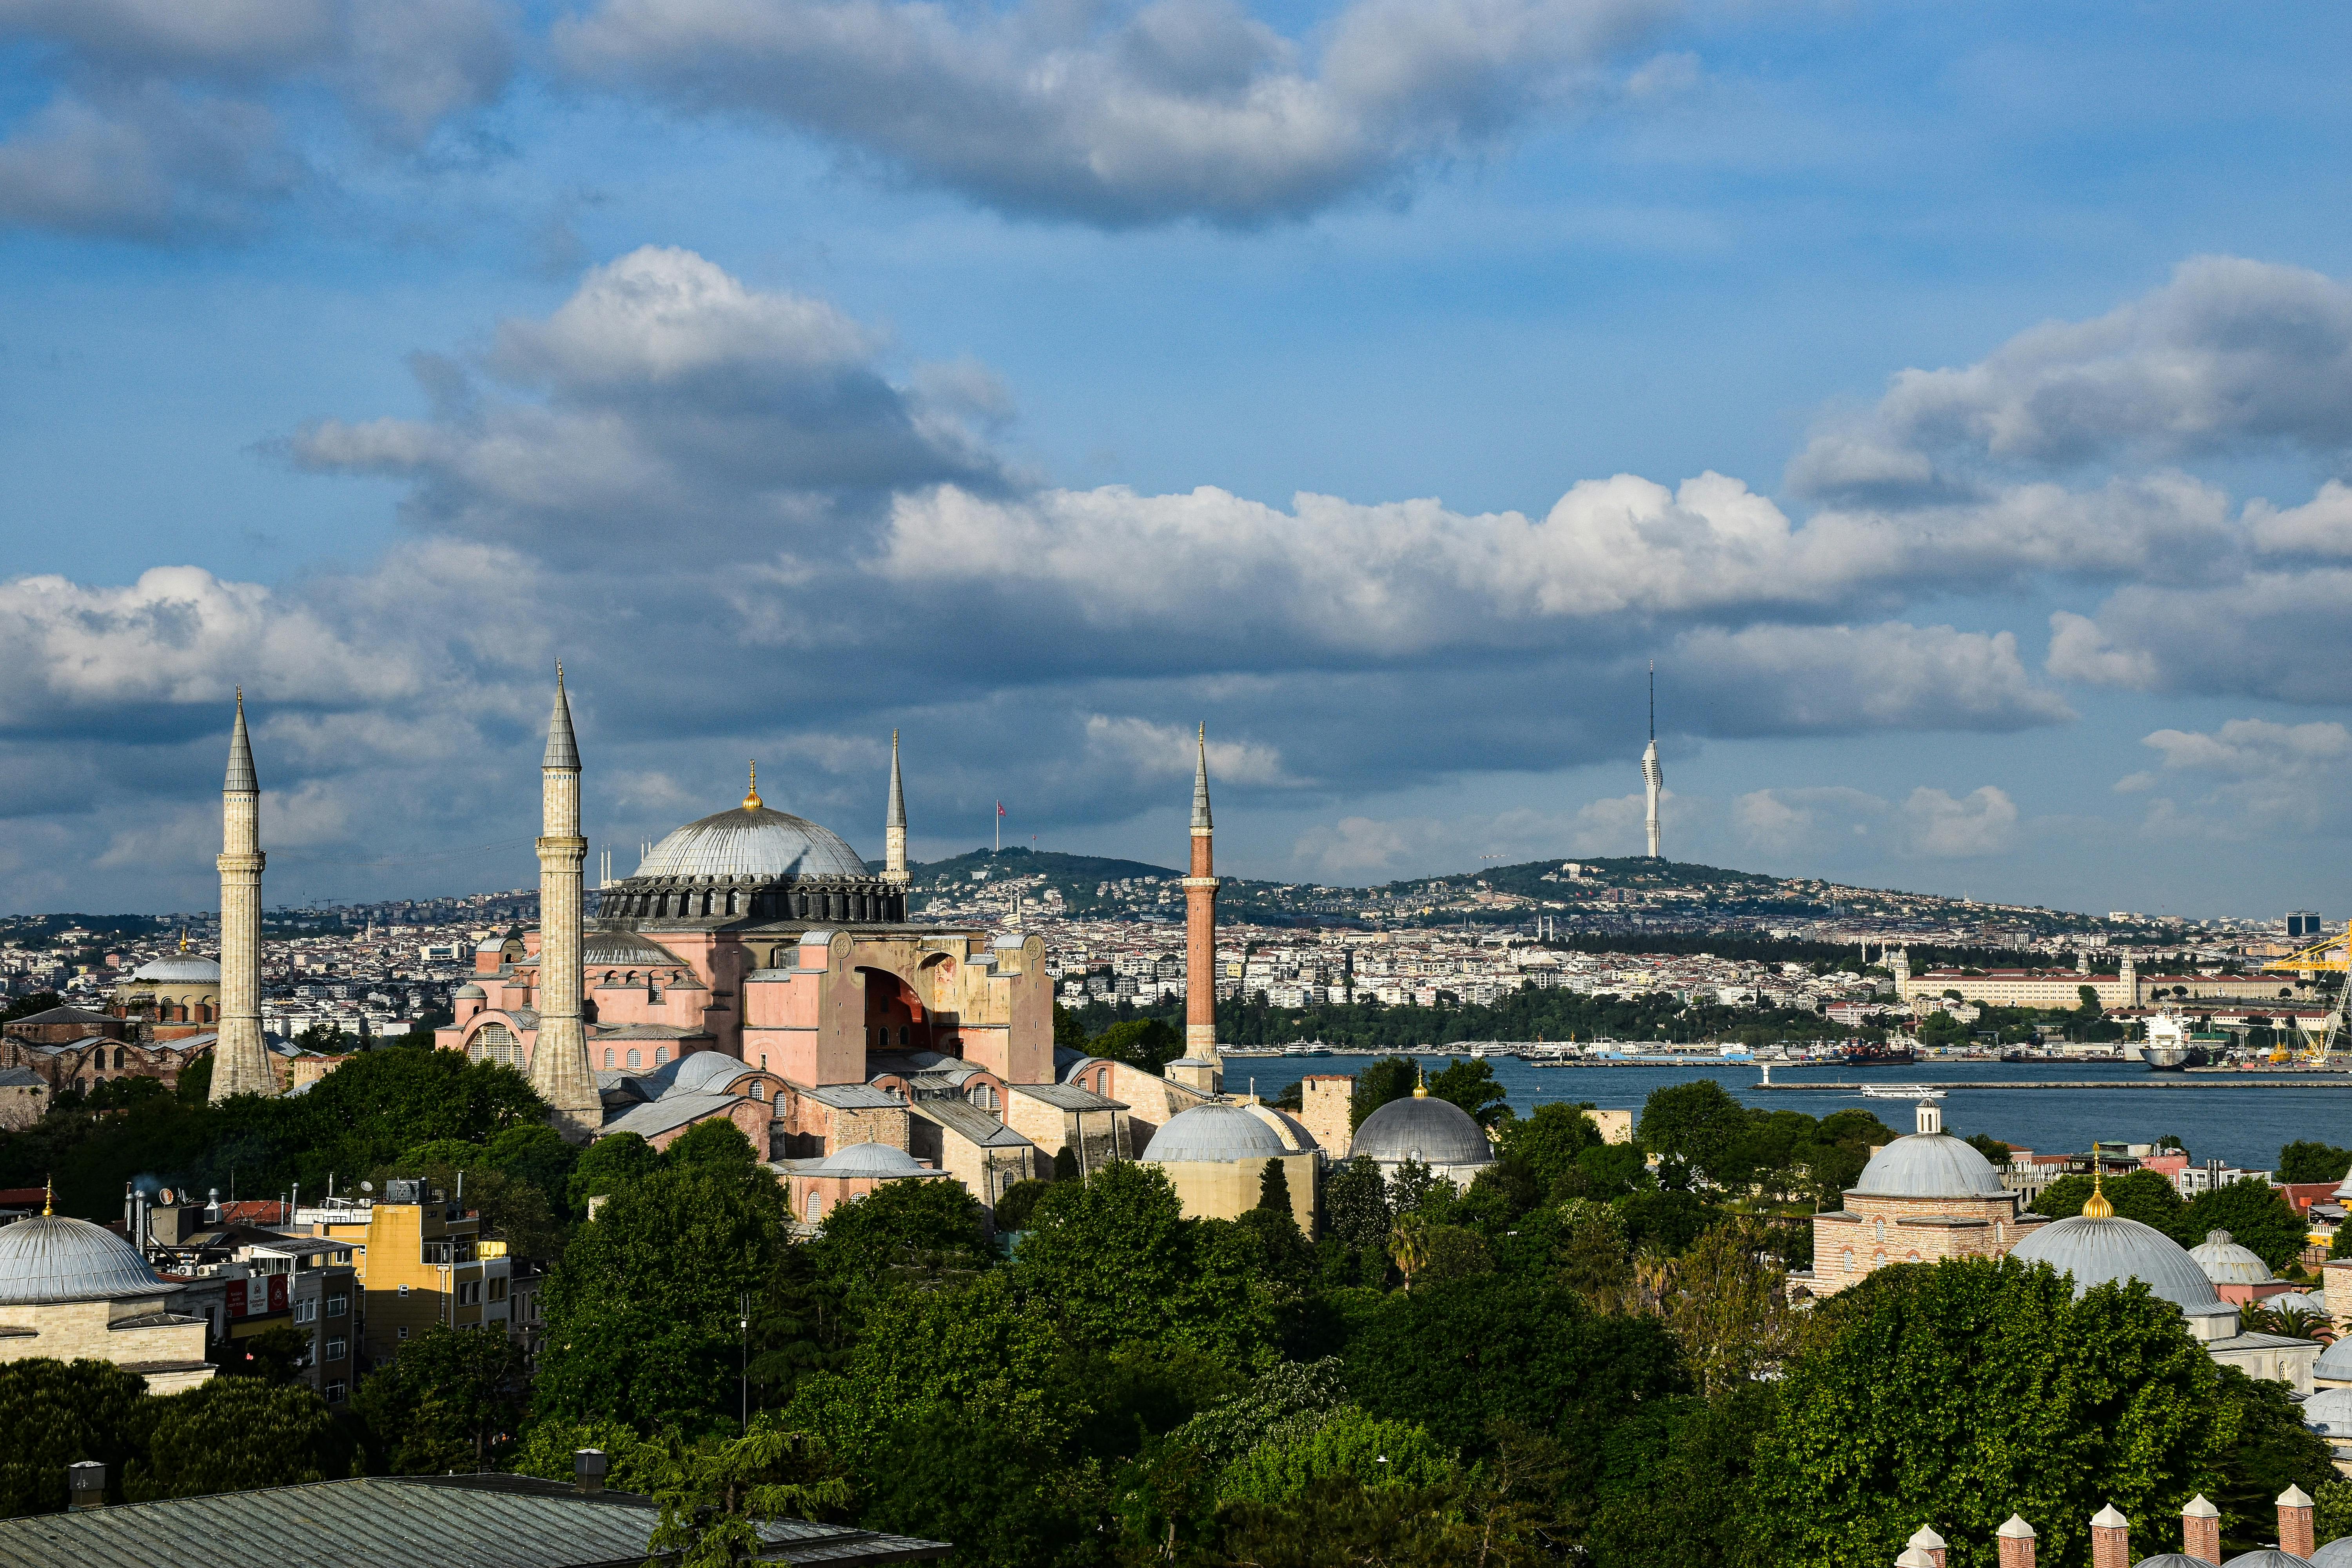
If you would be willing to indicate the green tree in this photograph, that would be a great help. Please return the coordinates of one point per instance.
(1664, 1218)
(714, 1494)
(273, 1355)
(2307, 1162)
(607, 1165)
(1674, 1481)
(642, 1311)
(1391, 1077)
(54, 1413)
(1593, 1259)
(233, 1434)
(1965, 1391)
(1356, 1205)
(1347, 1442)
(2256, 1215)
(1107, 1256)
(1548, 1140)
(1016, 1203)
(1147, 1043)
(1274, 1190)
(2144, 1196)
(540, 1156)
(1069, 1035)
(717, 1142)
(978, 1350)
(948, 1475)
(449, 1390)
(1470, 1084)
(913, 1229)
(1695, 1123)
(1940, 1031)
(1728, 1308)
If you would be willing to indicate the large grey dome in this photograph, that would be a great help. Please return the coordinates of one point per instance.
(2335, 1362)
(2268, 1557)
(2337, 1553)
(180, 968)
(753, 841)
(2330, 1412)
(2097, 1250)
(2226, 1263)
(1930, 1165)
(1424, 1128)
(1217, 1131)
(53, 1258)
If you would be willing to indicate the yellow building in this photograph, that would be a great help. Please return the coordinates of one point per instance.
(421, 1260)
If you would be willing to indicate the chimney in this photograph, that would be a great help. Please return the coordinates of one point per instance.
(1914, 1558)
(1928, 1542)
(588, 1467)
(2295, 1522)
(2110, 1539)
(2015, 1540)
(2200, 1530)
(86, 1485)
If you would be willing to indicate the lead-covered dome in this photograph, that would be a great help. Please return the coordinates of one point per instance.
(1424, 1128)
(2226, 1263)
(2097, 1250)
(2337, 1553)
(754, 842)
(1930, 1165)
(2330, 1413)
(179, 968)
(52, 1258)
(878, 1161)
(2335, 1364)
(1214, 1131)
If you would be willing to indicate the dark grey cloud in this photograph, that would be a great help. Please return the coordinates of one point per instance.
(1123, 115)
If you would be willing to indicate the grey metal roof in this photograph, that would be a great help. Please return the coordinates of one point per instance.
(1930, 1165)
(2096, 1251)
(52, 1258)
(403, 1521)
(2226, 1263)
(62, 1016)
(624, 950)
(976, 1126)
(752, 841)
(670, 1111)
(182, 966)
(2330, 1412)
(2337, 1553)
(240, 779)
(2336, 1362)
(851, 1097)
(1067, 1097)
(1424, 1128)
(878, 1161)
(1216, 1132)
(19, 1078)
(2268, 1557)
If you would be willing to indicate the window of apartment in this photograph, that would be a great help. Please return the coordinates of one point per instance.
(469, 1292)
(338, 1305)
(336, 1393)
(404, 1330)
(336, 1349)
(436, 1252)
(497, 1289)
(305, 1312)
(403, 1290)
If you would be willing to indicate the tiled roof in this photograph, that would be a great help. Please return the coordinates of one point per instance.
(398, 1521)
(670, 1111)
(970, 1123)
(1067, 1097)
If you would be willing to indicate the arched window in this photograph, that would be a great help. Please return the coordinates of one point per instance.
(494, 1042)
(661, 1054)
(815, 1207)
(1845, 1260)
(1999, 1233)
(637, 1058)
(731, 895)
(118, 1058)
(760, 1091)
(905, 1034)
(1878, 1230)
(608, 1056)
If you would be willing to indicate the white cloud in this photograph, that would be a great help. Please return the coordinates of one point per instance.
(1169, 751)
(1805, 821)
(1783, 680)
(2255, 776)
(1130, 114)
(1935, 824)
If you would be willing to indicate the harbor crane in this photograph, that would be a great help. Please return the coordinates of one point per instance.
(2326, 955)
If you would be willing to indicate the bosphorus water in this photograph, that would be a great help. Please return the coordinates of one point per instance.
(2216, 1118)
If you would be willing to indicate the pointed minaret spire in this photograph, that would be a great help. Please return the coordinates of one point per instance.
(241, 780)
(241, 1062)
(562, 750)
(894, 831)
(1200, 783)
(558, 1052)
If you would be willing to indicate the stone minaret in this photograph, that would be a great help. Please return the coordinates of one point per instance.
(1200, 926)
(558, 1062)
(894, 829)
(240, 1060)
(1653, 777)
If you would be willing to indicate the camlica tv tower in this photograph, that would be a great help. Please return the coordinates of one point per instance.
(1653, 777)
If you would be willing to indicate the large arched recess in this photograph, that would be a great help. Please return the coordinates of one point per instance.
(896, 1018)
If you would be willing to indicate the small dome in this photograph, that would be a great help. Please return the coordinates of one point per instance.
(2335, 1364)
(2172, 1560)
(467, 992)
(2268, 1557)
(52, 1258)
(2330, 1412)
(2096, 1251)
(2337, 1553)
(1424, 1128)
(1218, 1132)
(2296, 1301)
(877, 1160)
(752, 841)
(704, 1072)
(1930, 1165)
(2226, 1263)
(180, 968)
(1286, 1126)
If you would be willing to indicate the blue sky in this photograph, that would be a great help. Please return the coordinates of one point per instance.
(1953, 403)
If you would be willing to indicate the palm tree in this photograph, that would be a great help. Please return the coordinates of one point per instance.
(1409, 1244)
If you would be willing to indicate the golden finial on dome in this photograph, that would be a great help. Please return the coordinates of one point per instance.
(49, 1196)
(1421, 1081)
(751, 795)
(2098, 1207)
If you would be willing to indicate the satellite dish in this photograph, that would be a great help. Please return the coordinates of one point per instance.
(367, 1186)
(166, 1195)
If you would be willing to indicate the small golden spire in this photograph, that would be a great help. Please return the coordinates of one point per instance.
(1421, 1081)
(49, 1196)
(751, 795)
(184, 938)
(2098, 1207)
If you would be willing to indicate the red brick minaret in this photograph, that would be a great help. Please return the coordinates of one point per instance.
(1201, 929)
